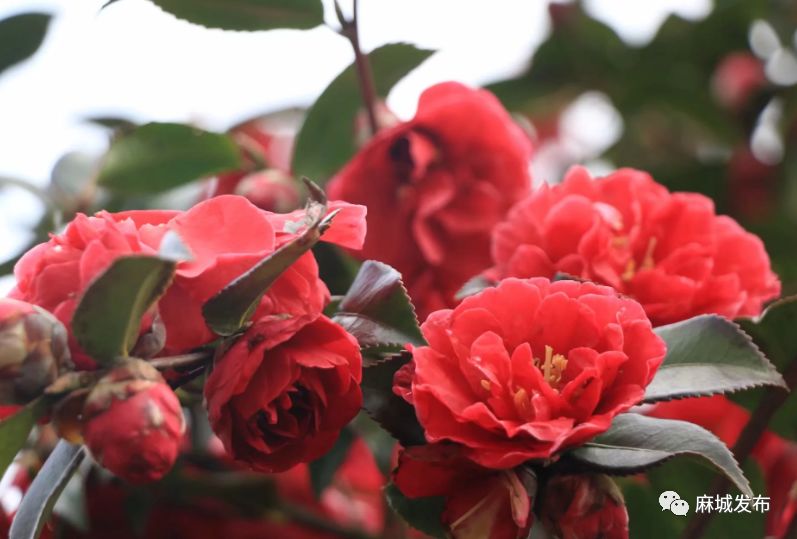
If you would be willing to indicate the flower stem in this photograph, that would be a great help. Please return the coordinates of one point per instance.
(756, 426)
(184, 360)
(350, 30)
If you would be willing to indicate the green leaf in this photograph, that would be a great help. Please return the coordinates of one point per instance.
(423, 514)
(247, 14)
(377, 309)
(326, 140)
(21, 36)
(393, 413)
(635, 443)
(707, 355)
(14, 431)
(227, 312)
(322, 470)
(107, 320)
(160, 156)
(38, 503)
(774, 333)
(473, 286)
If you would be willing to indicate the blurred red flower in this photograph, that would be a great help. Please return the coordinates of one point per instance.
(669, 251)
(435, 186)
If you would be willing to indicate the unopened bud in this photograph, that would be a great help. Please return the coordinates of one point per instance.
(133, 423)
(33, 351)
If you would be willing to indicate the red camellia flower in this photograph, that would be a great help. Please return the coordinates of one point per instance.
(133, 423)
(480, 503)
(435, 186)
(737, 78)
(276, 401)
(531, 367)
(669, 251)
(584, 507)
(54, 274)
(226, 236)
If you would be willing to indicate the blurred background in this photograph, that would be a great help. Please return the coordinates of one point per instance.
(700, 94)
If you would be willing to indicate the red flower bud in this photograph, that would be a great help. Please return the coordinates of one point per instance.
(133, 423)
(33, 351)
(584, 507)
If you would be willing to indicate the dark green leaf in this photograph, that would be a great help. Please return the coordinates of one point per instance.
(635, 443)
(377, 309)
(111, 122)
(107, 320)
(247, 14)
(228, 311)
(707, 355)
(392, 412)
(322, 470)
(38, 503)
(159, 156)
(14, 431)
(774, 333)
(326, 140)
(20, 37)
(423, 514)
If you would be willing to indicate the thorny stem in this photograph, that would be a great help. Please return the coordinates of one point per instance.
(350, 30)
(770, 403)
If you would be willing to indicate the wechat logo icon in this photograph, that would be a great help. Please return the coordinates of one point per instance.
(669, 500)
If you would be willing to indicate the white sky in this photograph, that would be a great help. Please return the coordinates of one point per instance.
(135, 61)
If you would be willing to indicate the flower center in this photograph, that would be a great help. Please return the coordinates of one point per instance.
(553, 367)
(647, 261)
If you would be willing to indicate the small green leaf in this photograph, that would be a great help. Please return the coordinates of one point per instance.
(707, 355)
(21, 36)
(326, 140)
(227, 312)
(107, 320)
(424, 514)
(322, 470)
(377, 309)
(14, 431)
(38, 503)
(247, 14)
(393, 413)
(635, 443)
(160, 156)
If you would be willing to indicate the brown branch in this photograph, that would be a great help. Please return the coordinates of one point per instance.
(184, 360)
(350, 30)
(756, 426)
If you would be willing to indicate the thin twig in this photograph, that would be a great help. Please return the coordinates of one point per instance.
(756, 426)
(184, 360)
(350, 30)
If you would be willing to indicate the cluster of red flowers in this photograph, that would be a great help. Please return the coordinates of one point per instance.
(265, 412)
(517, 372)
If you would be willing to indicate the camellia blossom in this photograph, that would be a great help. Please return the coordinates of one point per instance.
(669, 251)
(54, 274)
(479, 503)
(277, 405)
(435, 186)
(530, 367)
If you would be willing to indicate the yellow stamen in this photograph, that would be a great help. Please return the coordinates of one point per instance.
(619, 241)
(486, 385)
(522, 403)
(553, 367)
(647, 260)
(630, 270)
